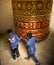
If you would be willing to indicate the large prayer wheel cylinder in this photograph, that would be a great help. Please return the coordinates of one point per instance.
(32, 16)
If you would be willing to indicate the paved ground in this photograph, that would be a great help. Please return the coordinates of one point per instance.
(45, 52)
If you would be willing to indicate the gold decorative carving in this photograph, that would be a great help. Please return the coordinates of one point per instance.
(32, 16)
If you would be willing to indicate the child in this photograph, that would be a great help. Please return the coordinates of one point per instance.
(14, 39)
(30, 43)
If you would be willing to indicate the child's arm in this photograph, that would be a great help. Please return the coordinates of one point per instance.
(17, 38)
(27, 43)
(8, 38)
(36, 39)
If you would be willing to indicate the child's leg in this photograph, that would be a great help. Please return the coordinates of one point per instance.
(35, 59)
(17, 51)
(28, 58)
(28, 55)
(13, 53)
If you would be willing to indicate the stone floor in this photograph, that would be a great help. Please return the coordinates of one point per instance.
(45, 52)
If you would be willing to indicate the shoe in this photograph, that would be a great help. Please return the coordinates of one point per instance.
(18, 55)
(14, 58)
(27, 58)
(38, 63)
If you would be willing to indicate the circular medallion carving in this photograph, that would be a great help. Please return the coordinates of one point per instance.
(39, 5)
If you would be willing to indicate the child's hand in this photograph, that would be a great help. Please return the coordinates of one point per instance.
(9, 39)
(25, 39)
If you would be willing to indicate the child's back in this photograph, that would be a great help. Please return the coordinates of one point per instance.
(13, 38)
(31, 44)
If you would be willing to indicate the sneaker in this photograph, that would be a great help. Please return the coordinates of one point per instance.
(27, 58)
(18, 55)
(38, 63)
(14, 58)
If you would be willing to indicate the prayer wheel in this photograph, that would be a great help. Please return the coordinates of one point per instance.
(32, 16)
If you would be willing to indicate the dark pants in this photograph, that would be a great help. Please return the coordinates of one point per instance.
(15, 52)
(33, 57)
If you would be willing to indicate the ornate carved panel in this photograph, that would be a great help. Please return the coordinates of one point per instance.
(32, 16)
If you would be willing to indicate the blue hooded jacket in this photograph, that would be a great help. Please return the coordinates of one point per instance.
(13, 38)
(30, 43)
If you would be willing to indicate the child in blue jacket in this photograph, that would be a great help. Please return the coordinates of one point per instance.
(30, 43)
(14, 39)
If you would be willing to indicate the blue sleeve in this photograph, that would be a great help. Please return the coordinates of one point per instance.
(36, 39)
(17, 38)
(27, 44)
(8, 37)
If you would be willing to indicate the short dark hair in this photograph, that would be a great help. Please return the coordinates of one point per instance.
(9, 31)
(29, 35)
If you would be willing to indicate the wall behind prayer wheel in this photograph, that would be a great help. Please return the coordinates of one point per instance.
(32, 16)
